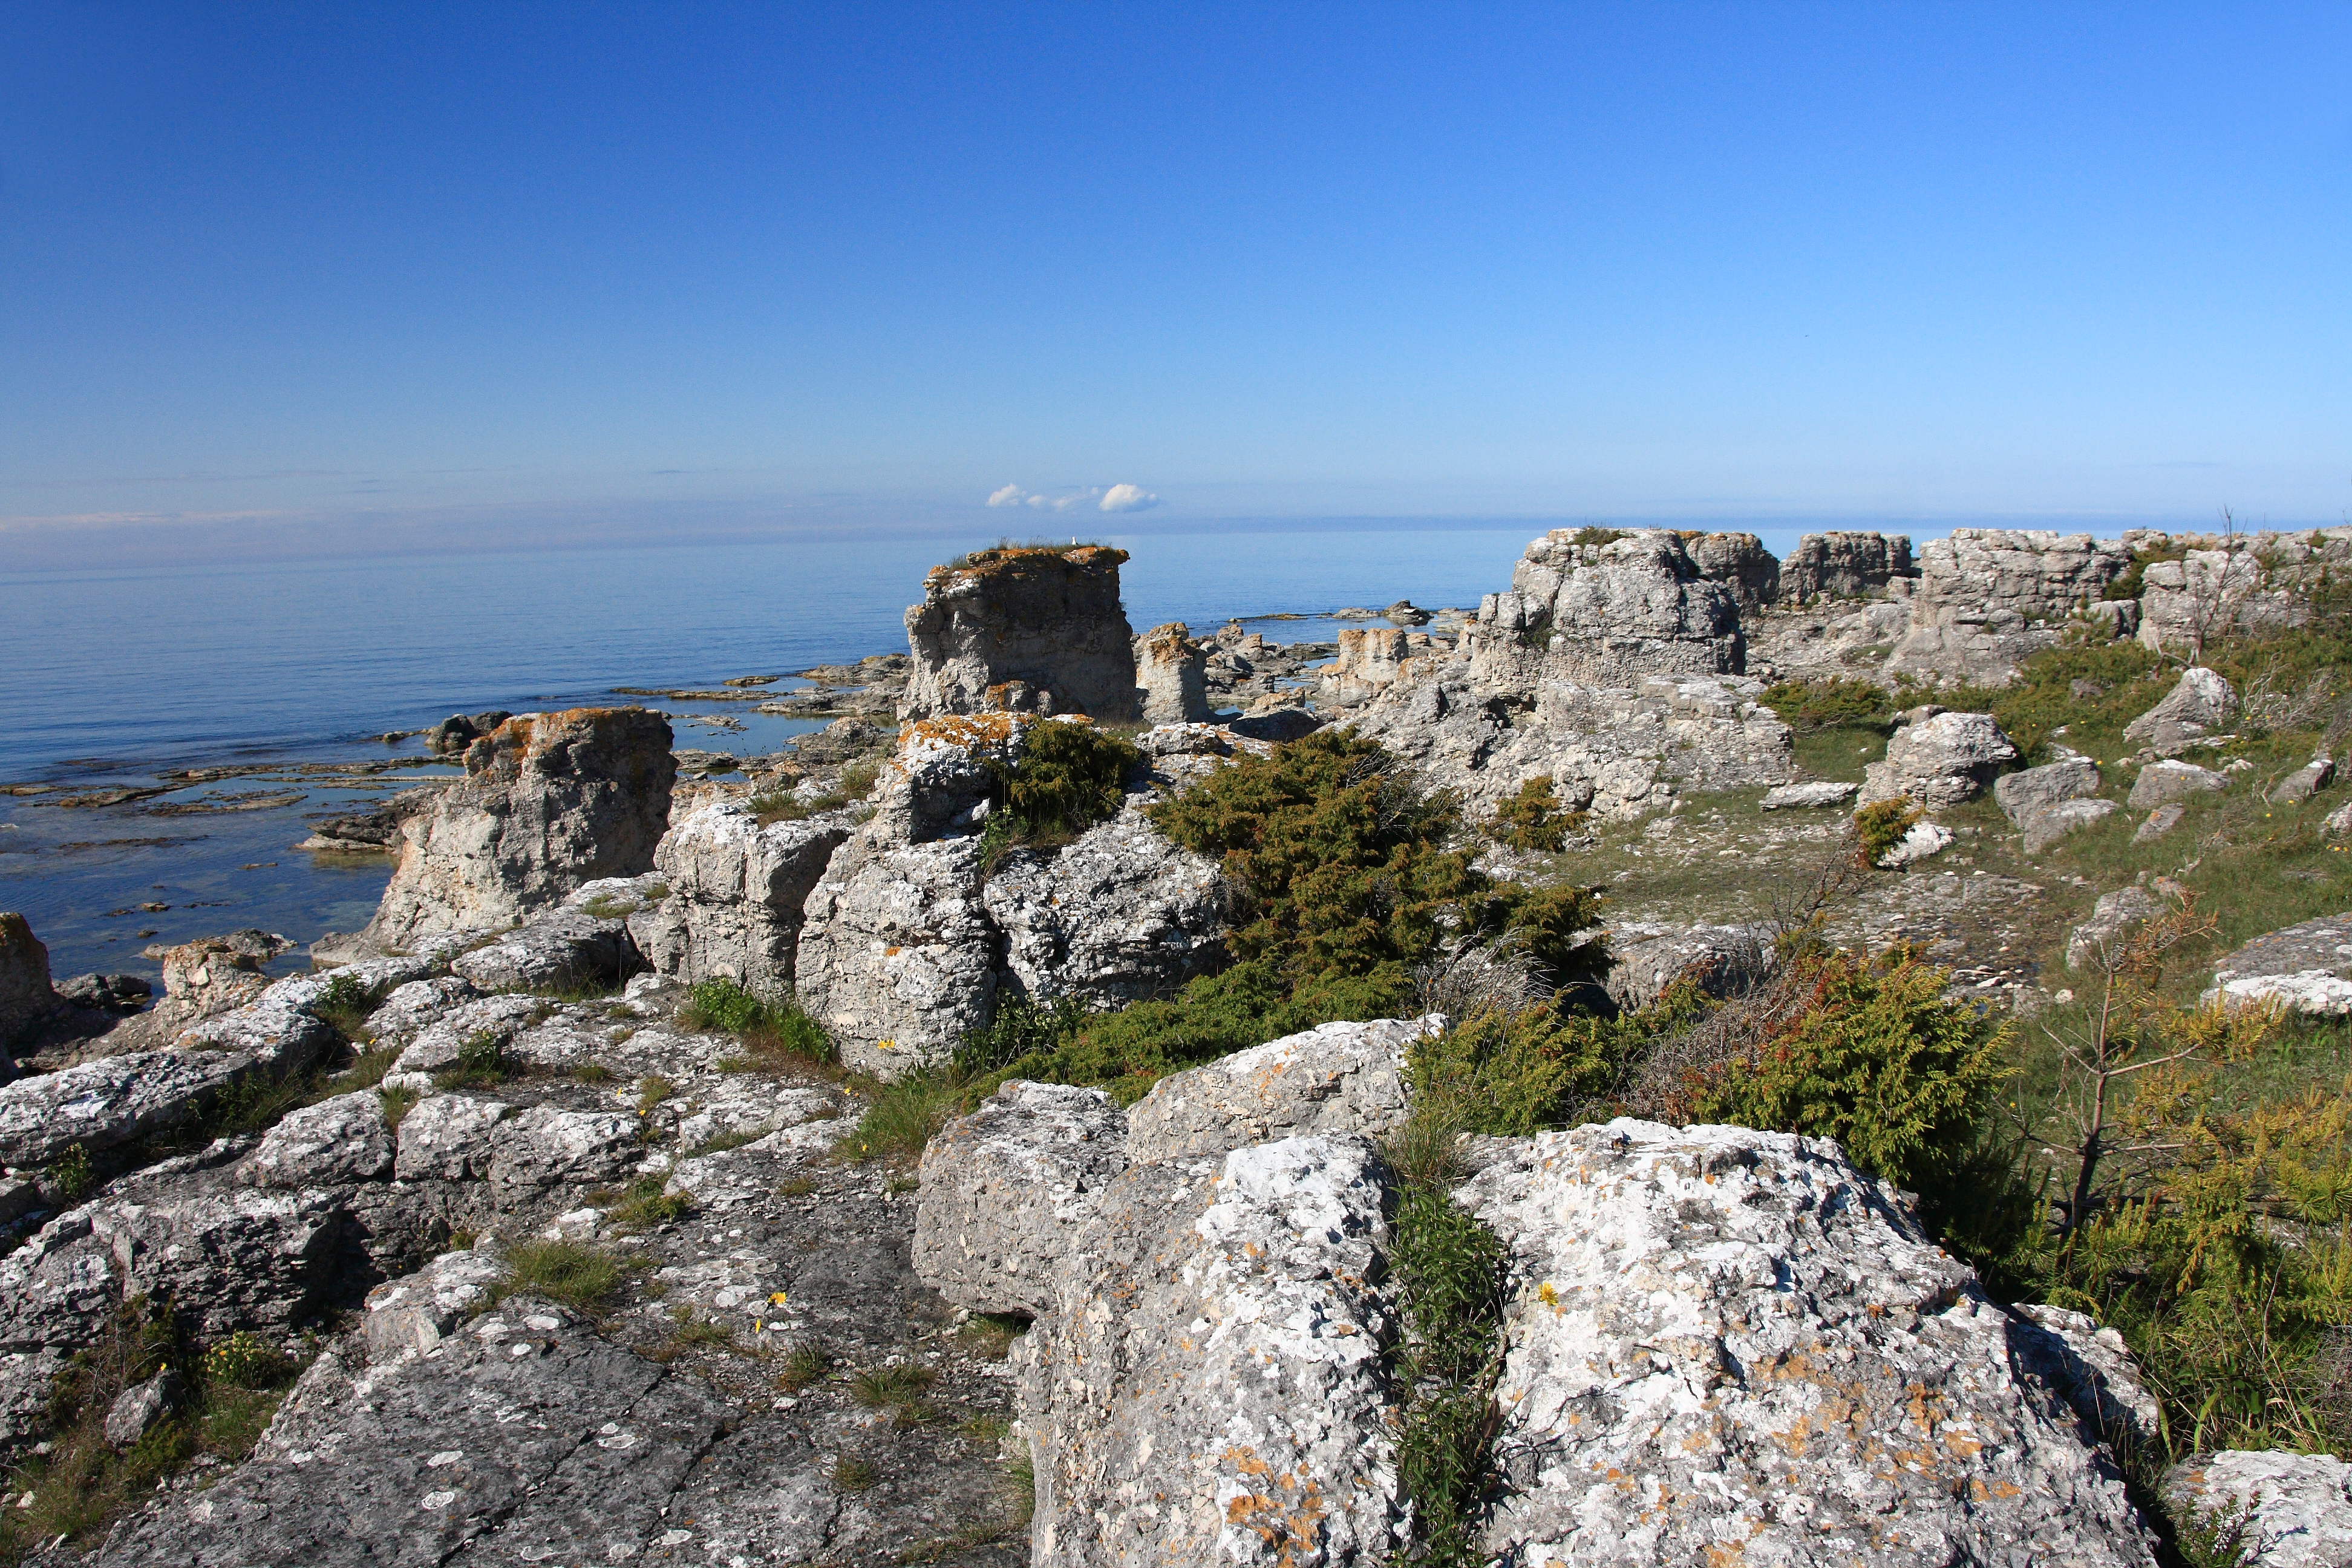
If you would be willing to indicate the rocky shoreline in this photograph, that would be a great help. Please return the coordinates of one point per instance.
(558, 1259)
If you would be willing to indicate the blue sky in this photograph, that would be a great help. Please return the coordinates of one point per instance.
(564, 271)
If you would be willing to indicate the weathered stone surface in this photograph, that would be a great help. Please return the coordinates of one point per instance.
(1989, 597)
(450, 1138)
(1236, 1412)
(1023, 630)
(1609, 614)
(568, 1451)
(546, 1147)
(346, 1138)
(566, 949)
(1338, 1077)
(549, 801)
(2051, 823)
(2202, 703)
(2091, 1369)
(941, 778)
(2285, 1510)
(109, 1101)
(415, 1313)
(1941, 760)
(1644, 959)
(2113, 919)
(26, 999)
(1785, 796)
(118, 993)
(1718, 1336)
(2022, 794)
(2228, 586)
(1750, 572)
(409, 1008)
(735, 891)
(1120, 915)
(1173, 671)
(2164, 783)
(490, 1023)
(2304, 781)
(2305, 968)
(135, 1410)
(1006, 1189)
(231, 1260)
(1843, 565)
(1370, 660)
(1920, 841)
(202, 979)
(1276, 726)
(897, 957)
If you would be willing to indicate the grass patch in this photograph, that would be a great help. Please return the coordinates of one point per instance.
(734, 1137)
(644, 1204)
(804, 1366)
(70, 1177)
(481, 1064)
(397, 1104)
(855, 783)
(891, 1385)
(797, 1187)
(653, 1091)
(777, 1033)
(902, 1115)
(345, 1007)
(989, 1335)
(854, 1475)
(585, 1278)
(592, 1073)
(691, 1331)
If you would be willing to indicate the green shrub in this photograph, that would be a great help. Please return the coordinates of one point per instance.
(1512, 1075)
(1534, 818)
(1837, 702)
(1022, 1027)
(1067, 778)
(855, 783)
(344, 1006)
(1592, 536)
(1876, 1057)
(1880, 826)
(246, 1360)
(481, 1063)
(70, 1177)
(2133, 583)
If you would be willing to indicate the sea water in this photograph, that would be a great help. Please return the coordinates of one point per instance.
(114, 675)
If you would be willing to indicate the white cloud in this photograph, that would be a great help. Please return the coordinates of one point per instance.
(1011, 495)
(1128, 497)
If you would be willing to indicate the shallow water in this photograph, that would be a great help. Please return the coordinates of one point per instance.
(116, 675)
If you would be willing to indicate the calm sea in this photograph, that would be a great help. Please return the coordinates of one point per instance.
(113, 675)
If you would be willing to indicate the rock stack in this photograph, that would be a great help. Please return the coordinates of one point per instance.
(1023, 629)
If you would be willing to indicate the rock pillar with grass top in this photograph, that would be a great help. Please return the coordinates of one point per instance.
(1023, 628)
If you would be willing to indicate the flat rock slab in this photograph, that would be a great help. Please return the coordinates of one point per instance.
(1786, 796)
(100, 1104)
(2048, 824)
(2162, 784)
(2024, 795)
(1338, 1078)
(2306, 967)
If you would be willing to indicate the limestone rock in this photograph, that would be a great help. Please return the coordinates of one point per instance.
(1708, 1326)
(1843, 565)
(942, 776)
(2162, 784)
(1784, 797)
(564, 949)
(1337, 1078)
(734, 894)
(2092, 1368)
(1988, 598)
(111, 1101)
(2232, 586)
(415, 1313)
(2158, 823)
(1022, 629)
(1612, 611)
(2202, 703)
(2304, 781)
(1119, 915)
(546, 1147)
(1750, 572)
(1276, 726)
(1005, 1190)
(116, 993)
(2023, 795)
(897, 957)
(1644, 959)
(1920, 841)
(26, 999)
(1173, 671)
(238, 1258)
(410, 1007)
(2051, 823)
(1942, 760)
(549, 801)
(2305, 968)
(136, 1409)
(490, 1023)
(2289, 1510)
(2114, 918)
(1237, 1411)
(450, 1138)
(346, 1138)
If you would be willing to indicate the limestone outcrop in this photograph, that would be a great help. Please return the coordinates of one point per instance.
(1022, 629)
(26, 998)
(550, 801)
(2220, 585)
(1172, 672)
(1337, 1078)
(725, 895)
(2304, 968)
(1843, 565)
(1610, 612)
(1989, 597)
(2275, 1509)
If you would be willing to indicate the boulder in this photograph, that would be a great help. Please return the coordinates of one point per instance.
(2164, 783)
(26, 1000)
(2051, 823)
(1211, 1386)
(202, 979)
(2304, 968)
(1721, 1336)
(547, 1147)
(898, 956)
(1645, 959)
(564, 950)
(137, 1409)
(2271, 1510)
(1337, 1078)
(231, 1260)
(1035, 629)
(411, 1007)
(2231, 585)
(549, 801)
(1920, 841)
(2304, 781)
(734, 891)
(1276, 726)
(1750, 572)
(842, 741)
(942, 776)
(2158, 823)
(450, 1138)
(1608, 611)
(1784, 797)
(117, 994)
(1843, 565)
(1172, 672)
(1005, 1190)
(2202, 703)
(2114, 918)
(1941, 760)
(2023, 795)
(454, 735)
(2091, 1369)
(375, 831)
(1370, 660)
(1120, 915)
(346, 1138)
